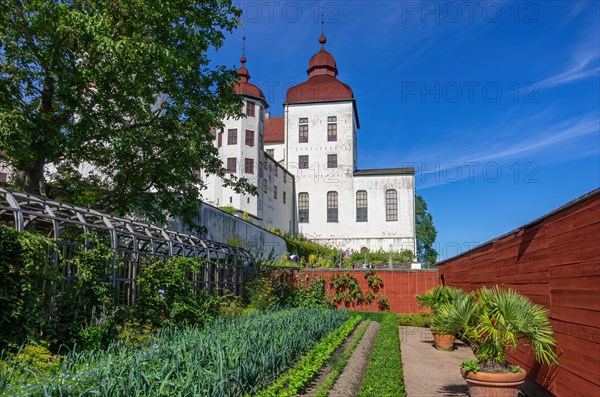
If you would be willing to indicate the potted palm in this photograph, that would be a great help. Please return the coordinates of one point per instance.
(496, 320)
(444, 330)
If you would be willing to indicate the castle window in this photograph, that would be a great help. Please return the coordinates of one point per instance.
(361, 206)
(283, 197)
(232, 136)
(231, 165)
(303, 130)
(284, 177)
(249, 166)
(332, 207)
(391, 205)
(331, 128)
(332, 161)
(303, 162)
(303, 207)
(264, 183)
(220, 139)
(260, 169)
(271, 152)
(250, 109)
(276, 170)
(275, 192)
(249, 138)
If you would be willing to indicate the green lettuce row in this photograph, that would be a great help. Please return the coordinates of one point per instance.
(323, 389)
(384, 376)
(308, 366)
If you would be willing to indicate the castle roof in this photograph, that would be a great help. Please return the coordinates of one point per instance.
(274, 130)
(322, 84)
(244, 87)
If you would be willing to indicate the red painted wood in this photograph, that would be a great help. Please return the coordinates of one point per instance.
(400, 286)
(556, 263)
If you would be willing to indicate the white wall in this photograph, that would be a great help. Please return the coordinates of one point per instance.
(318, 180)
(270, 212)
(225, 228)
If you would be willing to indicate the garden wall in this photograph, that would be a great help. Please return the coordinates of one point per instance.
(555, 261)
(228, 229)
(399, 286)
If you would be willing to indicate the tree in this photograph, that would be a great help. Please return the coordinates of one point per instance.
(426, 233)
(123, 87)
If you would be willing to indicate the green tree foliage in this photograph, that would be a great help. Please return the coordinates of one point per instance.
(426, 233)
(123, 86)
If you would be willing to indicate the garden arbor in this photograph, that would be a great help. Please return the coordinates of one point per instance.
(134, 244)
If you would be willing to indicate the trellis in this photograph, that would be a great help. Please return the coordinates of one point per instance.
(222, 267)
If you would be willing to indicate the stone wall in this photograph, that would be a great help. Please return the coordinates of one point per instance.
(226, 228)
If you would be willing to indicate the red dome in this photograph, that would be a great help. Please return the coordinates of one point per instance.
(243, 87)
(322, 63)
(319, 88)
(322, 84)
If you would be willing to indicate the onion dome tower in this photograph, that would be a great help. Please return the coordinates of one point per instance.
(243, 86)
(322, 84)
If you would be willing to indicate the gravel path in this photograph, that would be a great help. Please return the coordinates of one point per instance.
(350, 380)
(429, 372)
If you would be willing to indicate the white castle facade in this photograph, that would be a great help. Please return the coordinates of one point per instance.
(304, 165)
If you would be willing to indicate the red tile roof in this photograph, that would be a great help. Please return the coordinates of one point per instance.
(244, 87)
(319, 88)
(274, 130)
(322, 84)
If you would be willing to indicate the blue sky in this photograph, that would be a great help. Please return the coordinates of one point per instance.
(495, 104)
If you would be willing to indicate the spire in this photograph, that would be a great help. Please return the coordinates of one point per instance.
(322, 39)
(243, 58)
(242, 71)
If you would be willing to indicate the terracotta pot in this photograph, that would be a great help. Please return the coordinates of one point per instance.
(443, 341)
(486, 384)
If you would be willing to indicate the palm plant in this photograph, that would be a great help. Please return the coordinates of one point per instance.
(439, 295)
(442, 327)
(452, 317)
(499, 319)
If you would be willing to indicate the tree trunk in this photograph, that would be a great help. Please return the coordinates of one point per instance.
(30, 179)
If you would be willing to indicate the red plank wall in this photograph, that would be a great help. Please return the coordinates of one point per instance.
(555, 261)
(400, 286)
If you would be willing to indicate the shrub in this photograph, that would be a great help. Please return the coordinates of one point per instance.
(414, 320)
(23, 268)
(167, 294)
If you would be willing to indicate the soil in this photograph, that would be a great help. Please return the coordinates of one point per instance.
(350, 380)
(324, 372)
(345, 382)
(494, 367)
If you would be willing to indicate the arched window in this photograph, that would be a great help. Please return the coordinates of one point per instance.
(391, 205)
(332, 207)
(361, 206)
(303, 207)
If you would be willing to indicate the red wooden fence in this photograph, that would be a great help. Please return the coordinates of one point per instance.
(399, 286)
(555, 261)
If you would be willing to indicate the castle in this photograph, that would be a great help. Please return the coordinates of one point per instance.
(304, 165)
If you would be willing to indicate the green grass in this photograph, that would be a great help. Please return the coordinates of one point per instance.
(340, 364)
(310, 364)
(228, 357)
(384, 376)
